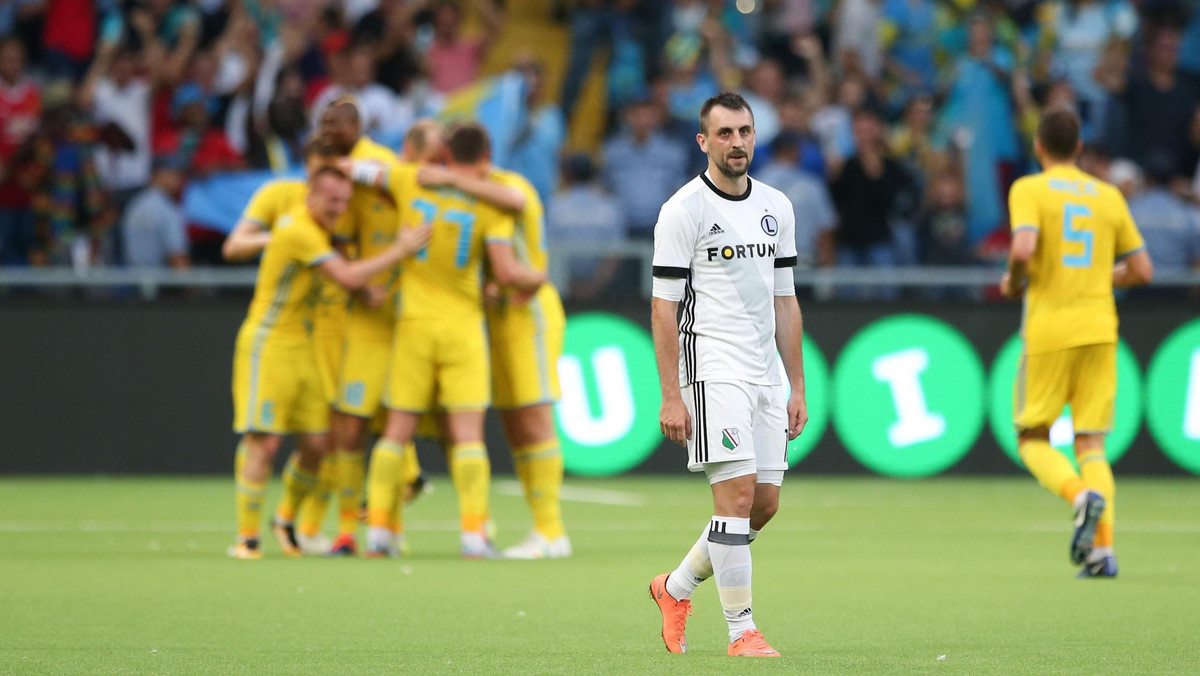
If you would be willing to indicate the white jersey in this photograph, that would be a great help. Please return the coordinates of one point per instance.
(735, 253)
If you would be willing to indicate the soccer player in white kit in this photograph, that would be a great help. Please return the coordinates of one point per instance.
(724, 246)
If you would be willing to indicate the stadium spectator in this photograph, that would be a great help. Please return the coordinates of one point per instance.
(1169, 224)
(856, 47)
(911, 140)
(764, 90)
(453, 61)
(153, 227)
(1079, 32)
(538, 144)
(909, 34)
(832, 122)
(20, 110)
(1154, 113)
(119, 101)
(385, 115)
(815, 216)
(943, 229)
(170, 30)
(72, 221)
(203, 147)
(582, 214)
(643, 167)
(794, 121)
(69, 37)
(390, 31)
(865, 194)
(978, 120)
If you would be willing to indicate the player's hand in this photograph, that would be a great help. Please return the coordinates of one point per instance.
(374, 295)
(797, 411)
(674, 421)
(493, 294)
(412, 240)
(1007, 288)
(435, 177)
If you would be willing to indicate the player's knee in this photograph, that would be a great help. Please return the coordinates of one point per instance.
(264, 446)
(765, 511)
(1033, 434)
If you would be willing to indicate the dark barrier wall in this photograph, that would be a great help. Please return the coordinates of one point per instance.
(899, 390)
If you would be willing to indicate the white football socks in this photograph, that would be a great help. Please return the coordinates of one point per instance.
(729, 550)
(695, 568)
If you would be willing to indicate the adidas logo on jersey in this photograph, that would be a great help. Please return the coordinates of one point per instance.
(716, 230)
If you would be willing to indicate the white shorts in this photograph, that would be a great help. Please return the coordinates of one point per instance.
(738, 428)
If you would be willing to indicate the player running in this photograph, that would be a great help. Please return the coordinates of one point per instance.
(526, 340)
(372, 227)
(724, 246)
(277, 388)
(246, 241)
(1073, 240)
(439, 357)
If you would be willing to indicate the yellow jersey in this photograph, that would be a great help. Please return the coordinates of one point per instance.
(271, 201)
(529, 226)
(274, 199)
(374, 218)
(281, 311)
(1083, 227)
(445, 279)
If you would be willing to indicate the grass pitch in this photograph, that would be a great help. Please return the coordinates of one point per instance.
(853, 576)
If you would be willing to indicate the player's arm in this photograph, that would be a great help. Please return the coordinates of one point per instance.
(1024, 245)
(500, 196)
(354, 275)
(1133, 265)
(508, 271)
(246, 241)
(1022, 208)
(789, 324)
(674, 245)
(1136, 269)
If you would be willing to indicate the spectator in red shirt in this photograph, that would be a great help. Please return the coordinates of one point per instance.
(203, 147)
(69, 37)
(20, 109)
(452, 60)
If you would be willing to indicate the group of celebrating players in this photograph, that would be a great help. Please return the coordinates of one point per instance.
(404, 294)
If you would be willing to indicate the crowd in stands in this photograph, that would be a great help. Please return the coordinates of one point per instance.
(895, 126)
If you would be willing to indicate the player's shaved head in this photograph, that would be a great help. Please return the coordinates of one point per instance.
(340, 124)
(424, 142)
(1058, 133)
(469, 143)
(727, 100)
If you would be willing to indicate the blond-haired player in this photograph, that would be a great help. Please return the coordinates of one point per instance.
(1073, 240)
(277, 388)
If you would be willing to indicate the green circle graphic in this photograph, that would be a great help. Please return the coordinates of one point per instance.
(1173, 396)
(1126, 414)
(607, 418)
(908, 396)
(816, 396)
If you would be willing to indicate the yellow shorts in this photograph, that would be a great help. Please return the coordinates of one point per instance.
(439, 363)
(1084, 377)
(526, 342)
(278, 391)
(329, 361)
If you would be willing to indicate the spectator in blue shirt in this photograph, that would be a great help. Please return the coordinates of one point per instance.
(643, 168)
(1168, 223)
(815, 216)
(537, 146)
(583, 214)
(154, 230)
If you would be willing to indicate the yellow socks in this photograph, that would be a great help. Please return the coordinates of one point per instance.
(1051, 468)
(351, 470)
(540, 470)
(383, 485)
(410, 468)
(312, 510)
(472, 474)
(297, 484)
(248, 501)
(1097, 474)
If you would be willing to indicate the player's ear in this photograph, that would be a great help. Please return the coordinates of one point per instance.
(702, 142)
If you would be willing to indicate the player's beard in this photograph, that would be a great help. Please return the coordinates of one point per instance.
(724, 167)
